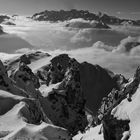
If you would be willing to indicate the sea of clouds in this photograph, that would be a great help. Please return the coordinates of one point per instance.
(121, 57)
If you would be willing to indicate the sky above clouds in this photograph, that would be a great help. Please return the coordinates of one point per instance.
(121, 8)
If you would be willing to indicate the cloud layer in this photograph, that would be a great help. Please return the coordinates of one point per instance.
(107, 48)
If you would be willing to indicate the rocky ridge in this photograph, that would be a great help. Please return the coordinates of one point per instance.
(114, 128)
(60, 93)
(93, 79)
(55, 109)
(63, 15)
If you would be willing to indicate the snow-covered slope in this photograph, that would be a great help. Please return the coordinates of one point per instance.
(35, 106)
(26, 113)
(119, 117)
(130, 111)
(13, 126)
(90, 134)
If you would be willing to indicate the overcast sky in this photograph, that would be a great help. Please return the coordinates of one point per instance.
(121, 8)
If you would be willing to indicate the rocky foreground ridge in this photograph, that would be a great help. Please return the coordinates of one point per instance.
(52, 102)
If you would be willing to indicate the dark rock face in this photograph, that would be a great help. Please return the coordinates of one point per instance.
(25, 79)
(62, 15)
(32, 112)
(113, 129)
(63, 60)
(95, 81)
(66, 103)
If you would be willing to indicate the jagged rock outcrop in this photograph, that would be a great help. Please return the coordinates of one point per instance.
(94, 80)
(68, 85)
(65, 104)
(30, 109)
(113, 128)
(59, 107)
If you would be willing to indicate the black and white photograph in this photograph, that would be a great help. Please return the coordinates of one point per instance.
(69, 70)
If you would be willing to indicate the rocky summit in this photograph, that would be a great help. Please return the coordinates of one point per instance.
(61, 95)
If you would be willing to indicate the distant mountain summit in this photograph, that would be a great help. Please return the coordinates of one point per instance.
(63, 15)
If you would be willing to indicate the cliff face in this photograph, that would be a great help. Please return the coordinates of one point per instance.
(65, 102)
(96, 82)
(114, 127)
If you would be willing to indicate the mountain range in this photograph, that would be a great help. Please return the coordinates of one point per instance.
(45, 96)
(62, 15)
(86, 15)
